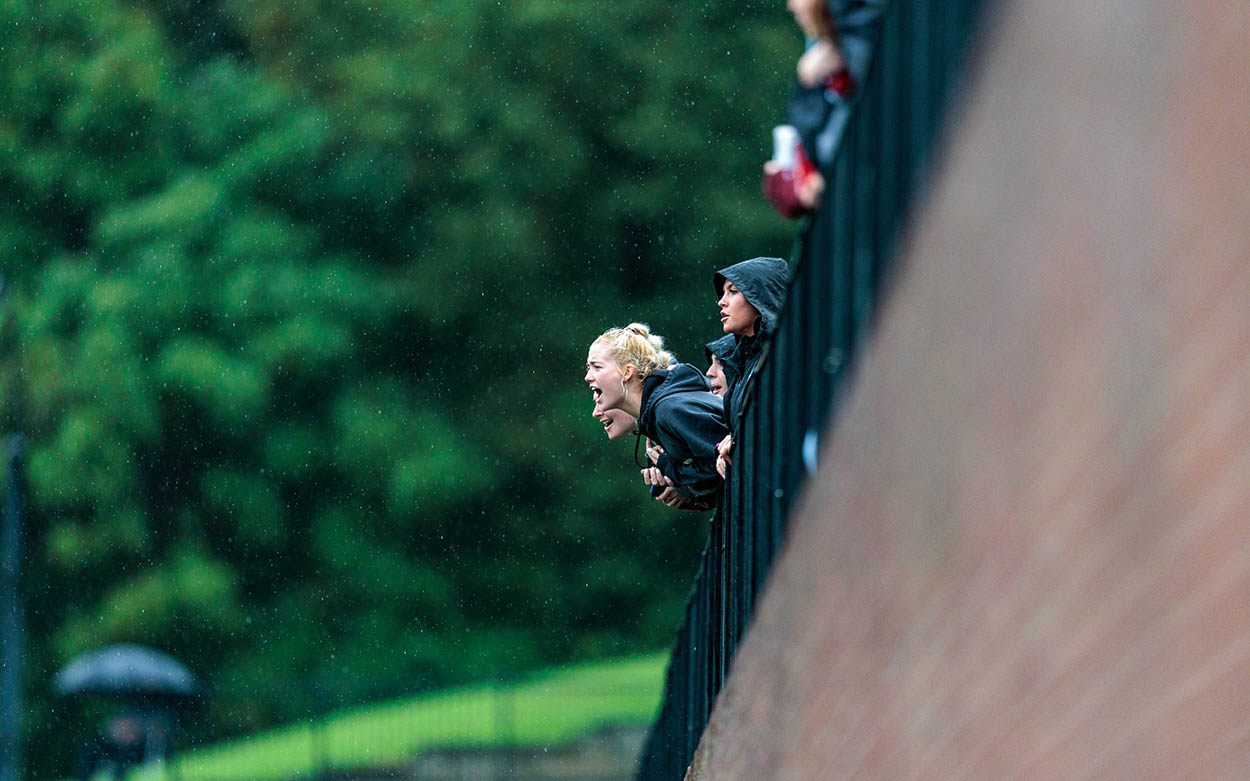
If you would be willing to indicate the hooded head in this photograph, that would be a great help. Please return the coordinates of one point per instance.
(718, 371)
(719, 348)
(762, 282)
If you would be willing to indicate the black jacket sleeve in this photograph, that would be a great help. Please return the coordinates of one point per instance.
(689, 436)
(808, 111)
(857, 15)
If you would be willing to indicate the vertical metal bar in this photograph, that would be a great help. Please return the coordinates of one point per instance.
(757, 563)
(11, 641)
(792, 387)
(10, 613)
(742, 465)
(759, 461)
(788, 387)
(917, 89)
(936, 69)
(839, 320)
(950, 43)
(504, 706)
(715, 670)
(737, 604)
(706, 635)
(782, 390)
(925, 79)
(747, 546)
(890, 137)
(864, 248)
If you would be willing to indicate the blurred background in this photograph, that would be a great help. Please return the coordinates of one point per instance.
(295, 309)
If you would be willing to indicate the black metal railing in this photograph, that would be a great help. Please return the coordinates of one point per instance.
(839, 260)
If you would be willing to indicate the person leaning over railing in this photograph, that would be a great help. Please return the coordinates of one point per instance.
(717, 372)
(751, 294)
(627, 369)
(839, 41)
(840, 36)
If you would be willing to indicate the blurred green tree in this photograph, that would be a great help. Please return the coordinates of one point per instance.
(304, 291)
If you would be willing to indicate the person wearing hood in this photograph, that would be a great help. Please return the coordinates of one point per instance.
(717, 373)
(751, 294)
(627, 369)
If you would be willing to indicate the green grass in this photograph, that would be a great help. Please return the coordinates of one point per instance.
(549, 708)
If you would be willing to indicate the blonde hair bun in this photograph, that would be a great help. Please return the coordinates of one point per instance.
(635, 344)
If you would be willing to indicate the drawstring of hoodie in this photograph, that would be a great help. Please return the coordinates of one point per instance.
(637, 442)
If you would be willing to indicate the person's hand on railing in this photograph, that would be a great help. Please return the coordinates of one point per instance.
(694, 504)
(669, 496)
(791, 183)
(668, 493)
(723, 461)
(808, 188)
(653, 476)
(821, 61)
(824, 65)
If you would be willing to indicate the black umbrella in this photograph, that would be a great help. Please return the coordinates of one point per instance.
(126, 669)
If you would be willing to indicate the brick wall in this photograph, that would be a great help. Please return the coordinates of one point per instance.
(1028, 554)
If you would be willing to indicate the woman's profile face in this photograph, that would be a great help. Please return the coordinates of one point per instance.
(616, 423)
(716, 374)
(737, 316)
(603, 375)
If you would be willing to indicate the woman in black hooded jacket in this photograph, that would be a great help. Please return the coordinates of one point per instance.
(751, 294)
(628, 369)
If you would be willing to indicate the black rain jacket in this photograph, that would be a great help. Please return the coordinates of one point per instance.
(680, 415)
(763, 282)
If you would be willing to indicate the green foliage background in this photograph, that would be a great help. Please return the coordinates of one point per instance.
(300, 296)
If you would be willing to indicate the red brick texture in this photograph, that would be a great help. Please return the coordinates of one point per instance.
(1028, 554)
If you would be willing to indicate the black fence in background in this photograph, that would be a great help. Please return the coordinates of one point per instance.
(839, 260)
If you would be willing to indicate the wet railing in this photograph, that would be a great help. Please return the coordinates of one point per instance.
(839, 260)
